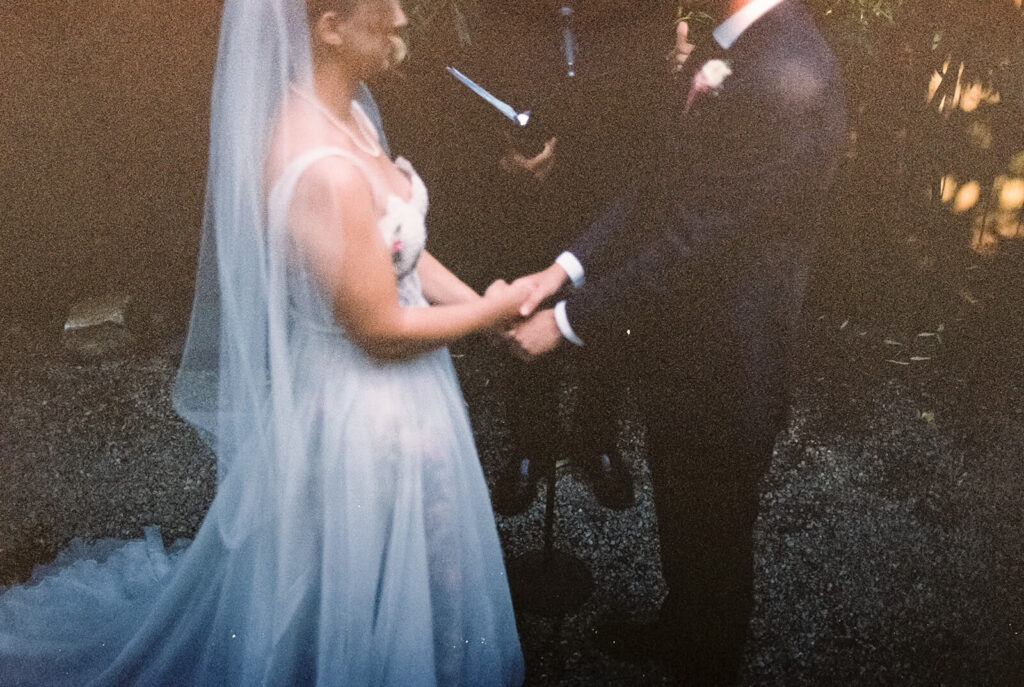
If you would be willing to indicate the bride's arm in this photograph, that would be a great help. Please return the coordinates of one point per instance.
(333, 218)
(440, 285)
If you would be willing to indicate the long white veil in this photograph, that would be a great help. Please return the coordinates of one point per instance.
(223, 377)
(227, 385)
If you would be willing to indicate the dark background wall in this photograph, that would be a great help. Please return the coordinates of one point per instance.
(103, 127)
(103, 143)
(104, 108)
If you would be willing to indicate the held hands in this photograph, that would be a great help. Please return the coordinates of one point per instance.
(545, 283)
(535, 336)
(530, 290)
(507, 300)
(536, 333)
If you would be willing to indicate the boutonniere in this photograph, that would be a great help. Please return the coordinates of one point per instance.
(708, 79)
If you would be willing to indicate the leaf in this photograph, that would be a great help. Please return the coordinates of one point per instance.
(966, 295)
(928, 416)
(919, 358)
(844, 325)
(892, 342)
(898, 362)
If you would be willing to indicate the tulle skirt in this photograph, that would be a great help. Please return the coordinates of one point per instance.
(366, 555)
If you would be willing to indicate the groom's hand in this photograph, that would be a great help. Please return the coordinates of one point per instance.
(546, 284)
(536, 336)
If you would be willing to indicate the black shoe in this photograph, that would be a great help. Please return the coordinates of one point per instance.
(611, 481)
(516, 487)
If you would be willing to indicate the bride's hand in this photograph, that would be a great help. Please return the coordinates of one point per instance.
(545, 283)
(507, 299)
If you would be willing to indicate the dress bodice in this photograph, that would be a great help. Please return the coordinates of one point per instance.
(403, 227)
(401, 222)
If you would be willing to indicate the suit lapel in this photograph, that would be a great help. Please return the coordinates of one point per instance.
(737, 57)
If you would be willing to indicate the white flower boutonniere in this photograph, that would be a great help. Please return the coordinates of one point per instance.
(713, 73)
(708, 78)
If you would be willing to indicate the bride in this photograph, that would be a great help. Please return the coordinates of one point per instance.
(351, 540)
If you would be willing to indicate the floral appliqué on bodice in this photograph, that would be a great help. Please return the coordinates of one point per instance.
(403, 227)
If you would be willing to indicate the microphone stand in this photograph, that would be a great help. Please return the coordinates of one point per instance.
(550, 582)
(547, 581)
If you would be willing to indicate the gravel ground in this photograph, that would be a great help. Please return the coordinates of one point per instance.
(889, 547)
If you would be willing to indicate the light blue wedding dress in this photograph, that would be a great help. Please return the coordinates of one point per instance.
(361, 551)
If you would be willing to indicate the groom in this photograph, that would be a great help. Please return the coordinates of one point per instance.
(705, 263)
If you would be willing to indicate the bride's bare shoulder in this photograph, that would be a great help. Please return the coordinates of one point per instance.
(298, 129)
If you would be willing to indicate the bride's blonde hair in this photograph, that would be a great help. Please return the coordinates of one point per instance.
(316, 8)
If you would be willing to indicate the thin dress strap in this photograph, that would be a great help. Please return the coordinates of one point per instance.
(281, 192)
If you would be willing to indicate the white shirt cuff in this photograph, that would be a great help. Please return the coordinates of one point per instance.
(572, 266)
(562, 320)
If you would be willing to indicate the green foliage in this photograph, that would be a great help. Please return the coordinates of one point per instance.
(693, 15)
(863, 13)
(937, 106)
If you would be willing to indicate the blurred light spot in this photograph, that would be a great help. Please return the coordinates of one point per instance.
(967, 197)
(933, 85)
(949, 187)
(1011, 195)
(1007, 227)
(976, 94)
(971, 98)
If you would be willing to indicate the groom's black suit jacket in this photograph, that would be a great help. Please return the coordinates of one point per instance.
(705, 259)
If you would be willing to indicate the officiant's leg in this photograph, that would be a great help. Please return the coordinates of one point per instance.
(601, 380)
(530, 392)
